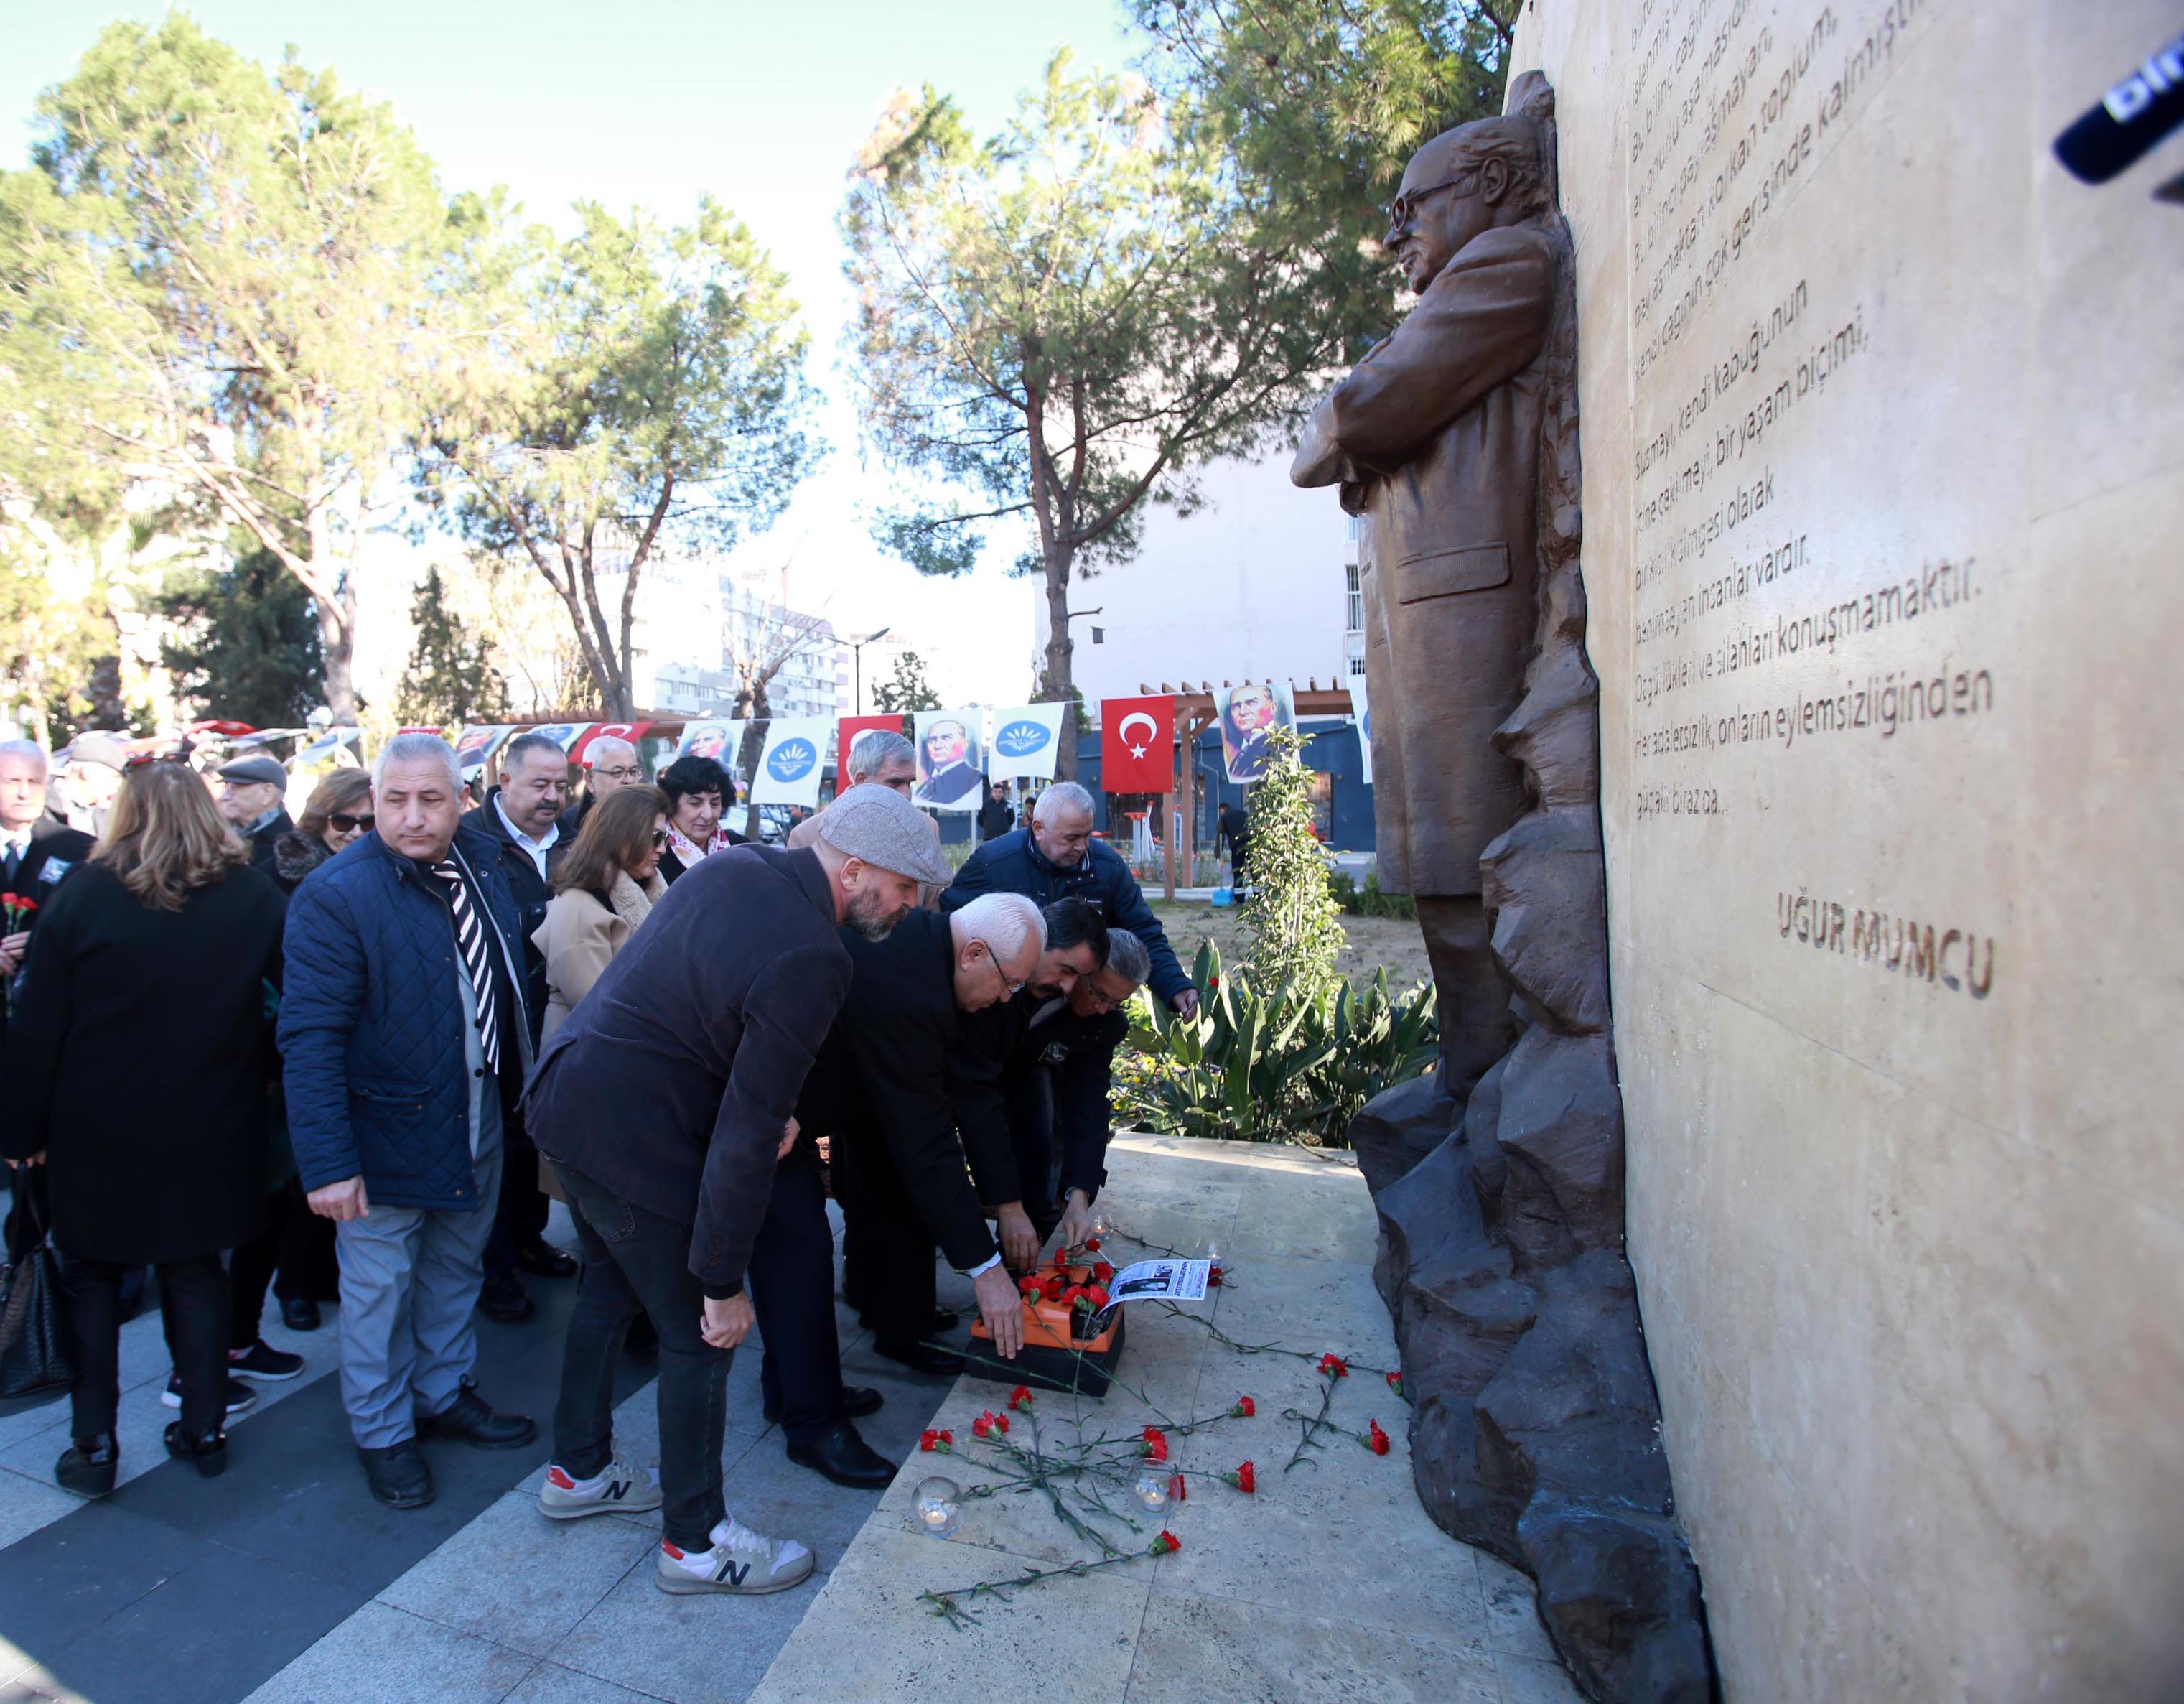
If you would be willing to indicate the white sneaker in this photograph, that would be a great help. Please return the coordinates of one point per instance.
(619, 1489)
(740, 1562)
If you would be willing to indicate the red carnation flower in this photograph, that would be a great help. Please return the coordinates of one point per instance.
(1332, 1366)
(1097, 1295)
(1031, 1289)
(1376, 1439)
(1074, 1296)
(1091, 1245)
(1103, 1273)
(1001, 1421)
(1177, 1490)
(1214, 1275)
(931, 1439)
(1244, 1479)
(1167, 1544)
(1243, 1408)
(1020, 1398)
(1154, 1444)
(1053, 1287)
(1396, 1382)
(982, 1426)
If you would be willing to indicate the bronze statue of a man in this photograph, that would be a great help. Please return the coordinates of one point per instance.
(1435, 439)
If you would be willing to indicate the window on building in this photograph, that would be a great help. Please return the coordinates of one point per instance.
(1353, 605)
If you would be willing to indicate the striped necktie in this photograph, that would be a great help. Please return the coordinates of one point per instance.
(470, 936)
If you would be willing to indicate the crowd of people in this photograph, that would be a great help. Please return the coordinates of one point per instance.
(388, 1034)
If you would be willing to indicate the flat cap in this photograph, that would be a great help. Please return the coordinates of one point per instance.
(98, 747)
(258, 769)
(877, 824)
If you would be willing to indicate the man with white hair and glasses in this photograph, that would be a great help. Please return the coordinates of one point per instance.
(1056, 856)
(883, 1089)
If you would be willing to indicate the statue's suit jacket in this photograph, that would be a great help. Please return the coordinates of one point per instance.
(1435, 439)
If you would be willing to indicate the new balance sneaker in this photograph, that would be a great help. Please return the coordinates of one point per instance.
(262, 1361)
(740, 1561)
(618, 1489)
(240, 1398)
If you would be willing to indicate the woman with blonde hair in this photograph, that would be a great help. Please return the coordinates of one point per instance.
(604, 886)
(137, 1068)
(338, 814)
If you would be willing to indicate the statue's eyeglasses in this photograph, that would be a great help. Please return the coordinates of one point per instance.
(1403, 211)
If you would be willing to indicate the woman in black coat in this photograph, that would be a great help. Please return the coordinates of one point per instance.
(699, 793)
(138, 1067)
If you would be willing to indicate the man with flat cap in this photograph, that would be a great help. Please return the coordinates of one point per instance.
(665, 1103)
(251, 791)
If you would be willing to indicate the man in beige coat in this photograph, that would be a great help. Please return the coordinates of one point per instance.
(1434, 437)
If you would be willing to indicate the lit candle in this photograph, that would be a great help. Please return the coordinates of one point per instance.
(937, 1508)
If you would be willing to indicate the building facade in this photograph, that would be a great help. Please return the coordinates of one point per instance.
(1258, 582)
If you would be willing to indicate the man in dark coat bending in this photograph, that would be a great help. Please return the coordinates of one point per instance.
(665, 1103)
(887, 1091)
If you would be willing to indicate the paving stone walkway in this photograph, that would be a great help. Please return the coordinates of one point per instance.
(283, 1584)
(1329, 1584)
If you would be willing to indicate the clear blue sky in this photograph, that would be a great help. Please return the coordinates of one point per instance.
(652, 102)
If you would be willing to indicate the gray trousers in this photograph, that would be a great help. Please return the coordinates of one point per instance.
(410, 1278)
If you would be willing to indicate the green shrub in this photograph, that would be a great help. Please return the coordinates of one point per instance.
(1369, 900)
(1286, 1065)
(1297, 928)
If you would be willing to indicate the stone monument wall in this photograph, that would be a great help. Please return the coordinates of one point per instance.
(1884, 552)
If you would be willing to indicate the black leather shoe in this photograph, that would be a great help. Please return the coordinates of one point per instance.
(840, 1455)
(548, 1261)
(943, 1319)
(470, 1419)
(300, 1314)
(857, 1400)
(88, 1466)
(504, 1301)
(936, 1362)
(209, 1451)
(397, 1474)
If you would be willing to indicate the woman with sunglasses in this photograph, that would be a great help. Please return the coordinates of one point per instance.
(604, 886)
(339, 813)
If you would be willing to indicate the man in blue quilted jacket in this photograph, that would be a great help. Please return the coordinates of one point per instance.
(404, 1040)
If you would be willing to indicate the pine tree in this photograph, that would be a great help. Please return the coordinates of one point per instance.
(451, 678)
(247, 644)
(909, 689)
(1294, 922)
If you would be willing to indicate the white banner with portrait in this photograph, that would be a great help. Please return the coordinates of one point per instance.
(1247, 712)
(1025, 741)
(950, 748)
(1361, 709)
(788, 764)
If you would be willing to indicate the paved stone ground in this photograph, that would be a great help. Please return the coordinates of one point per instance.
(283, 1580)
(283, 1583)
(1329, 1584)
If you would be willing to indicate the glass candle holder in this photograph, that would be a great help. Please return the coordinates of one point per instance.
(1150, 1488)
(939, 1506)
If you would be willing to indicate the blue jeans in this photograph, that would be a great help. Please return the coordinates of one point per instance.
(634, 1259)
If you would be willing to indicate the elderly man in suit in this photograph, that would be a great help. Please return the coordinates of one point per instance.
(1434, 437)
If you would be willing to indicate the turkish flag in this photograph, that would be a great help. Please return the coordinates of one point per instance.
(1137, 745)
(630, 731)
(849, 727)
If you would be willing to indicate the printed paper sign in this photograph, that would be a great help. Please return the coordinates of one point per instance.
(790, 763)
(1160, 1280)
(1025, 741)
(1360, 705)
(948, 759)
(1247, 712)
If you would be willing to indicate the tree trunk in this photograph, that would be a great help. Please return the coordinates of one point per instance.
(1060, 648)
(336, 643)
(754, 731)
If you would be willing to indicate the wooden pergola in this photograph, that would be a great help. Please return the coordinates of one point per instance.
(1193, 715)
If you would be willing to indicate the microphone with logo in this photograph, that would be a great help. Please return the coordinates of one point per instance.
(2131, 117)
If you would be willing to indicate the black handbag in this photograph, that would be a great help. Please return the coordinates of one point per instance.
(35, 1354)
